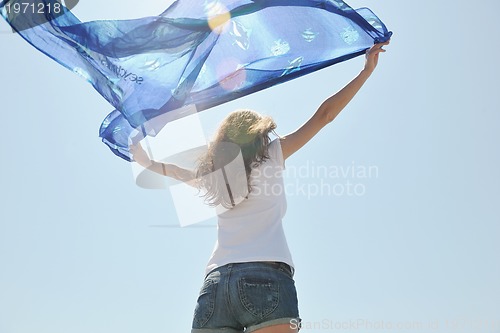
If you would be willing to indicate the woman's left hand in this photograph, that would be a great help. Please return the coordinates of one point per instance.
(139, 155)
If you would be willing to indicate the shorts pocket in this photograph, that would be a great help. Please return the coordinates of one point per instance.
(206, 303)
(259, 295)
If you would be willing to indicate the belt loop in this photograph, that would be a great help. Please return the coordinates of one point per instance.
(288, 268)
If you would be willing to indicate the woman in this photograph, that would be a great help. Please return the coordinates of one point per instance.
(249, 284)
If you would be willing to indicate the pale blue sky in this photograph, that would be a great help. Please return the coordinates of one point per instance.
(79, 253)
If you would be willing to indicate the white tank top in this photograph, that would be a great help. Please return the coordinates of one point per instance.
(253, 230)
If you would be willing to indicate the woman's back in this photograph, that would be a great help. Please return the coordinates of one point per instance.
(252, 230)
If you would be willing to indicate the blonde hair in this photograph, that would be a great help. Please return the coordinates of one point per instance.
(242, 131)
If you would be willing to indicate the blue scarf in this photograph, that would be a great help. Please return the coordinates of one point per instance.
(196, 55)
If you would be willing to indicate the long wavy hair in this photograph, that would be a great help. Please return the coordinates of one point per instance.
(244, 132)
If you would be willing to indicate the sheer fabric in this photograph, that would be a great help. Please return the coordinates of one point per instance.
(198, 53)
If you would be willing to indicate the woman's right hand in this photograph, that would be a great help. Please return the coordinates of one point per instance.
(372, 56)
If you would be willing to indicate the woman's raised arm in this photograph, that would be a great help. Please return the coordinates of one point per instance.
(165, 169)
(332, 106)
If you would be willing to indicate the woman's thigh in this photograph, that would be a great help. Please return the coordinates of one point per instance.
(282, 328)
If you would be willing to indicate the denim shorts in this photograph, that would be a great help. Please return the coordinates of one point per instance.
(244, 297)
